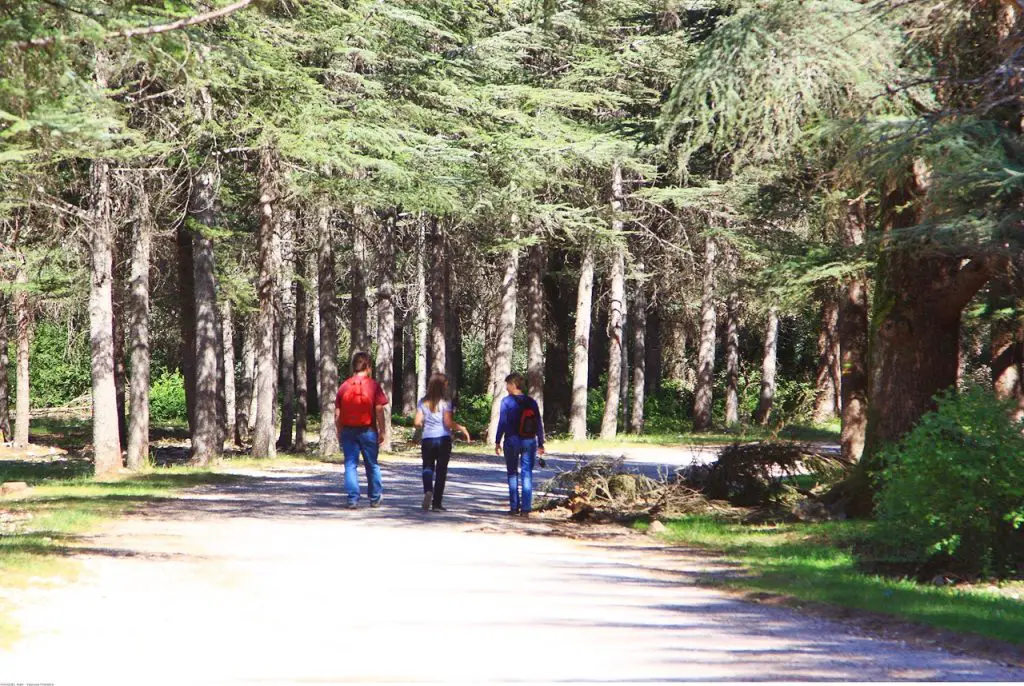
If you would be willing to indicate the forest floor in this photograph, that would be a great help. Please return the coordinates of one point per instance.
(264, 577)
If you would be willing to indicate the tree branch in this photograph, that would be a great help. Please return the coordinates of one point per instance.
(971, 278)
(44, 41)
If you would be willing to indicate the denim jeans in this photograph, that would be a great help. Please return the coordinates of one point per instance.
(353, 442)
(436, 454)
(520, 455)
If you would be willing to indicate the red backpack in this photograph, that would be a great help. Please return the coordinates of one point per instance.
(528, 420)
(355, 401)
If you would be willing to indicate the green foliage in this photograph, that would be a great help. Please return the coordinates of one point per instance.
(474, 412)
(59, 369)
(167, 397)
(953, 493)
(667, 410)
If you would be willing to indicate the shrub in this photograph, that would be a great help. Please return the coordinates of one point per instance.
(953, 490)
(474, 412)
(59, 368)
(167, 397)
(667, 410)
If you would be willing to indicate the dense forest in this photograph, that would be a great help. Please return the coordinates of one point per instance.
(671, 215)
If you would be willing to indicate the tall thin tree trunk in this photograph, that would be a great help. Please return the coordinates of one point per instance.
(187, 319)
(227, 333)
(287, 327)
(853, 343)
(205, 434)
(386, 325)
(827, 381)
(535, 324)
(636, 414)
(222, 377)
(301, 343)
(117, 326)
(581, 348)
(5, 393)
(732, 356)
(244, 411)
(23, 316)
(269, 269)
(358, 305)
(106, 443)
(706, 352)
(505, 338)
(313, 337)
(676, 368)
(1008, 339)
(422, 343)
(138, 303)
(438, 304)
(768, 368)
(560, 300)
(409, 379)
(655, 350)
(616, 315)
(327, 297)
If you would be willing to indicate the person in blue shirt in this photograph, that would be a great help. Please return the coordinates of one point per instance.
(522, 428)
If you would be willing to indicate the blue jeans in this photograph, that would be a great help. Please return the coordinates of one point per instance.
(520, 455)
(353, 442)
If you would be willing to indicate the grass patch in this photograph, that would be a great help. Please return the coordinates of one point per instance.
(816, 562)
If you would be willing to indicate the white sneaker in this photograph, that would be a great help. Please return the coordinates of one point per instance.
(427, 498)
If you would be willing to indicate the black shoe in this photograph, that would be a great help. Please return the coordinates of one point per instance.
(438, 508)
(513, 513)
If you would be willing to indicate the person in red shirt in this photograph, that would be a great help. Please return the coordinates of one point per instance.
(359, 411)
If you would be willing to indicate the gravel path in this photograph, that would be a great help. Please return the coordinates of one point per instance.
(270, 581)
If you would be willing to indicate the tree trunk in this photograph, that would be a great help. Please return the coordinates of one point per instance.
(676, 367)
(222, 377)
(358, 305)
(313, 335)
(187, 312)
(827, 380)
(106, 443)
(504, 339)
(117, 327)
(732, 359)
(768, 369)
(535, 325)
(438, 306)
(138, 304)
(558, 295)
(853, 343)
(5, 393)
(453, 338)
(327, 298)
(655, 352)
(269, 269)
(244, 410)
(286, 329)
(616, 315)
(581, 348)
(703, 397)
(227, 334)
(422, 333)
(301, 391)
(23, 317)
(386, 325)
(409, 398)
(636, 415)
(1008, 340)
(205, 434)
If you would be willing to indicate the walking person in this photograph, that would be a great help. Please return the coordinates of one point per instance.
(521, 426)
(359, 414)
(434, 415)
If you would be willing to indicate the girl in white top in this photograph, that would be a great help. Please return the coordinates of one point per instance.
(434, 416)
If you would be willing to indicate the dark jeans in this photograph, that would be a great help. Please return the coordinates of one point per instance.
(518, 450)
(436, 454)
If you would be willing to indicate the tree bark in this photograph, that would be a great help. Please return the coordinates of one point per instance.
(23, 317)
(244, 413)
(301, 391)
(422, 343)
(106, 442)
(636, 414)
(703, 396)
(6, 434)
(286, 328)
(676, 367)
(581, 348)
(504, 339)
(732, 357)
(535, 325)
(654, 345)
(853, 343)
(438, 305)
(205, 433)
(409, 377)
(768, 368)
(269, 269)
(1008, 340)
(187, 313)
(138, 304)
(386, 325)
(358, 305)
(828, 381)
(117, 326)
(560, 300)
(453, 337)
(327, 297)
(227, 334)
(616, 314)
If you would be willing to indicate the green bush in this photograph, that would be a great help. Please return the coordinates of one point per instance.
(167, 397)
(952, 494)
(474, 412)
(59, 367)
(668, 410)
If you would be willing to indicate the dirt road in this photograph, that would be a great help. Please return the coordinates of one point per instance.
(271, 581)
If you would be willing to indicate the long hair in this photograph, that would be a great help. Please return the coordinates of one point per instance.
(437, 389)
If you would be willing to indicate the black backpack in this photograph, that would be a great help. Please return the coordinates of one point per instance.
(529, 422)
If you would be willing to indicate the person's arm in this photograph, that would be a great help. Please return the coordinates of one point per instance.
(502, 419)
(452, 425)
(417, 421)
(540, 429)
(381, 406)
